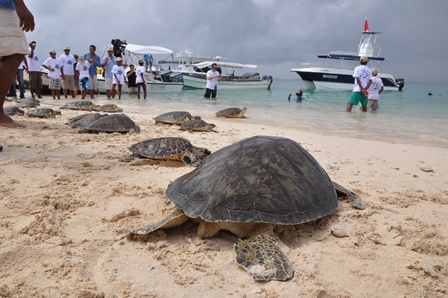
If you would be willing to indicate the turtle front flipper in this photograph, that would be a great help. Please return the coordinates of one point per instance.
(353, 197)
(261, 256)
(176, 218)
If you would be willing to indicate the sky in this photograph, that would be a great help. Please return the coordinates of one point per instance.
(273, 34)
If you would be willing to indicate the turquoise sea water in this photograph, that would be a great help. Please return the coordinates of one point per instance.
(409, 116)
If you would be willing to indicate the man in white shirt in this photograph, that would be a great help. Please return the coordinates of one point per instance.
(141, 79)
(213, 77)
(68, 72)
(119, 77)
(53, 64)
(363, 80)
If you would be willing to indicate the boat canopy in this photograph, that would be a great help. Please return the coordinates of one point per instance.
(141, 50)
(348, 56)
(224, 64)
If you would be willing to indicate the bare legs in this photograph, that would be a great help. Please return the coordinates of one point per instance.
(144, 90)
(8, 68)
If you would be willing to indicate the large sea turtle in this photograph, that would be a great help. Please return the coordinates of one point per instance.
(232, 113)
(247, 188)
(87, 105)
(176, 117)
(168, 148)
(84, 120)
(112, 123)
(12, 110)
(27, 103)
(42, 113)
(197, 125)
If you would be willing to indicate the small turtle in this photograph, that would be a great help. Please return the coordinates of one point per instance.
(84, 120)
(197, 125)
(108, 108)
(28, 103)
(11, 111)
(247, 188)
(42, 113)
(176, 117)
(85, 105)
(112, 123)
(232, 113)
(169, 148)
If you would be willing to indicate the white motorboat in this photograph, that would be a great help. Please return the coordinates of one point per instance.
(158, 80)
(332, 78)
(234, 75)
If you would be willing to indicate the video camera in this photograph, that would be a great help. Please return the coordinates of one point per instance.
(119, 46)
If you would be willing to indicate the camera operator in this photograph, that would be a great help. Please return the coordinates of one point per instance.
(119, 47)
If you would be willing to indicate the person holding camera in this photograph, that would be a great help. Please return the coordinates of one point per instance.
(34, 74)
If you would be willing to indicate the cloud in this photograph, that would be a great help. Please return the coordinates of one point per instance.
(273, 34)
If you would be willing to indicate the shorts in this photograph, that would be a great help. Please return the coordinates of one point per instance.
(84, 84)
(35, 80)
(108, 83)
(93, 81)
(69, 82)
(132, 90)
(55, 84)
(12, 38)
(357, 97)
(373, 104)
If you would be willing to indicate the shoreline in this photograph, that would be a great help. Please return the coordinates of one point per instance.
(67, 204)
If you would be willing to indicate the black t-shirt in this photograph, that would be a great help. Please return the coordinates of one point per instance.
(131, 79)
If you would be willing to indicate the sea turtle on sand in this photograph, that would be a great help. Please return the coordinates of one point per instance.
(232, 113)
(28, 103)
(84, 120)
(11, 111)
(176, 117)
(112, 123)
(85, 105)
(42, 113)
(247, 188)
(108, 108)
(169, 148)
(197, 125)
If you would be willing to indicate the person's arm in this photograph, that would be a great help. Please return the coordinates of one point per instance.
(105, 62)
(381, 90)
(25, 16)
(26, 64)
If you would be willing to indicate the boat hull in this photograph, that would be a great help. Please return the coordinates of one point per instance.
(338, 79)
(151, 86)
(193, 81)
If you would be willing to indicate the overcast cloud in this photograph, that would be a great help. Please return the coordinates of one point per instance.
(275, 35)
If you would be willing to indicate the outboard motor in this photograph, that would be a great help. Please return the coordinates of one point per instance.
(400, 83)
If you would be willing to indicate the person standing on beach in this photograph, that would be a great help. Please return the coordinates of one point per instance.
(375, 90)
(34, 73)
(132, 87)
(141, 79)
(53, 64)
(363, 80)
(213, 77)
(83, 75)
(68, 72)
(14, 19)
(76, 56)
(95, 62)
(107, 64)
(119, 77)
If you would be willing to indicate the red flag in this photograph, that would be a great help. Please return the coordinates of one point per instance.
(366, 25)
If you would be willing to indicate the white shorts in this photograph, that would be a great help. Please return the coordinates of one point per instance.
(93, 82)
(12, 38)
(108, 83)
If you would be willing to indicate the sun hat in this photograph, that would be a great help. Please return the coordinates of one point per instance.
(110, 48)
(119, 59)
(66, 48)
(364, 59)
(81, 58)
(374, 71)
(53, 51)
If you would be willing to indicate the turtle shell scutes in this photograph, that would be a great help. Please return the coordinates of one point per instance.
(260, 179)
(162, 147)
(176, 117)
(114, 123)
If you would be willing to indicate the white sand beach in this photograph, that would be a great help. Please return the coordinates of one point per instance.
(67, 203)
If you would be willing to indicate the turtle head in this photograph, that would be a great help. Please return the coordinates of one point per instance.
(243, 110)
(196, 118)
(190, 159)
(203, 152)
(57, 113)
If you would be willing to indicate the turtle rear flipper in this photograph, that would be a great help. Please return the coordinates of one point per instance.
(261, 256)
(353, 197)
(176, 218)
